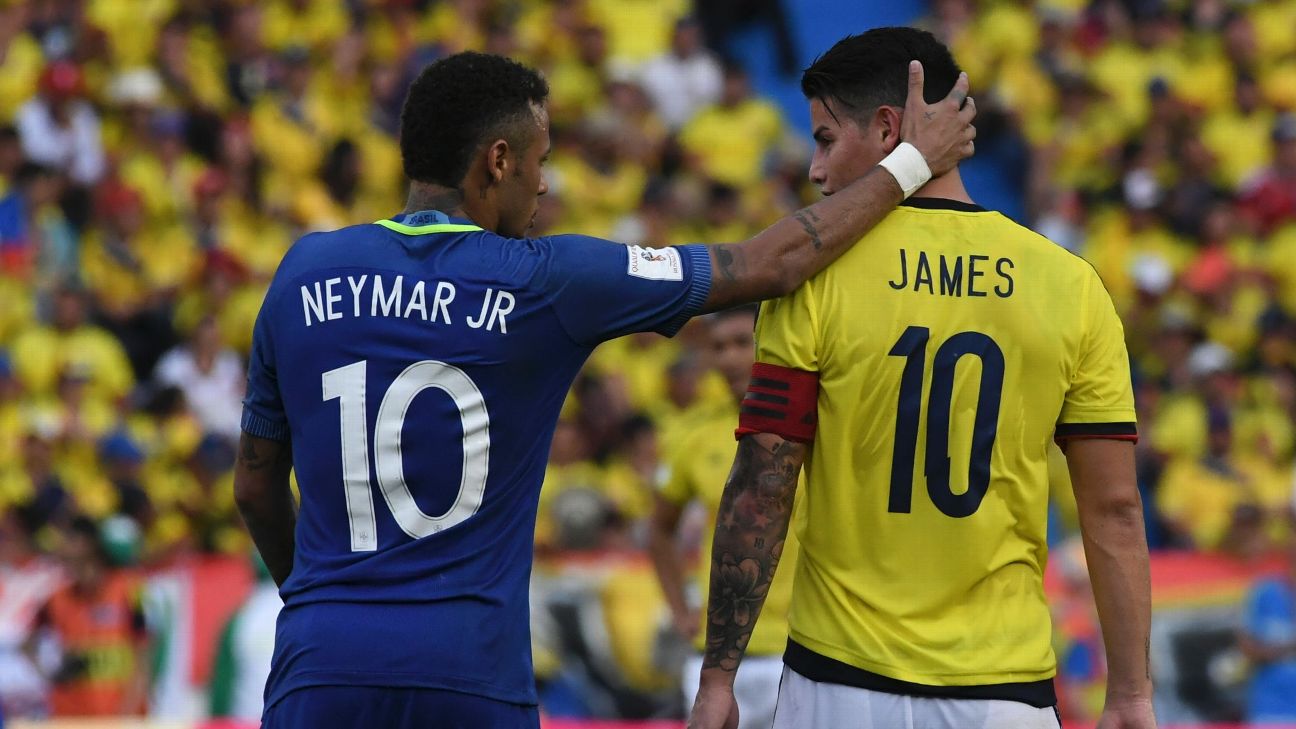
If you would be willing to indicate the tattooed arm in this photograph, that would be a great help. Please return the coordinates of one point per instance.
(788, 253)
(265, 500)
(751, 526)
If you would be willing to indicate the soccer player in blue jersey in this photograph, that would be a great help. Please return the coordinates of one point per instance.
(411, 371)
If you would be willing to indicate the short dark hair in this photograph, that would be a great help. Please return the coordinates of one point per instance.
(865, 71)
(458, 103)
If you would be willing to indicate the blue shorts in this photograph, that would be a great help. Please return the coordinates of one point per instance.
(366, 707)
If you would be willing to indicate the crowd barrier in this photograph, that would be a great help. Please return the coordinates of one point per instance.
(546, 724)
(1196, 602)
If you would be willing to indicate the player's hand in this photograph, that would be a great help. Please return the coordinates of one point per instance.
(943, 131)
(1131, 714)
(714, 708)
(687, 624)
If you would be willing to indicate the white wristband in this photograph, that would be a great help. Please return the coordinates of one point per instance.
(907, 166)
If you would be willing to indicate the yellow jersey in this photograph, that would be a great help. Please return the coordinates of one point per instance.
(952, 346)
(698, 472)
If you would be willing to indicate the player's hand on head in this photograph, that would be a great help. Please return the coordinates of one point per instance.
(943, 131)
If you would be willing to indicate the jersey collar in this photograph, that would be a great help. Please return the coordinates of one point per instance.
(941, 203)
(424, 222)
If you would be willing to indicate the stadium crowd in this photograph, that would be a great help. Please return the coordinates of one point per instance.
(158, 157)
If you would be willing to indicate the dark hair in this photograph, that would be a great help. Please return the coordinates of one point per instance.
(865, 71)
(458, 103)
(29, 171)
(636, 425)
(85, 528)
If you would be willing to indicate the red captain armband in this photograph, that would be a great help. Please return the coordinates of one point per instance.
(781, 401)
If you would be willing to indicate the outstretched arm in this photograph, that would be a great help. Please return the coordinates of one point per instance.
(265, 500)
(1111, 524)
(751, 526)
(782, 257)
(662, 530)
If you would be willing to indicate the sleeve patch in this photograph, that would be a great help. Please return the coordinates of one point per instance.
(782, 401)
(655, 264)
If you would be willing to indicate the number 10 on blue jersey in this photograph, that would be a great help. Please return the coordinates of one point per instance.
(347, 385)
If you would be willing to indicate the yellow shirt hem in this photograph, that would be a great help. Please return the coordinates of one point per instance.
(900, 674)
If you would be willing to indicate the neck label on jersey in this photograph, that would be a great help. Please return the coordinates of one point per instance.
(424, 217)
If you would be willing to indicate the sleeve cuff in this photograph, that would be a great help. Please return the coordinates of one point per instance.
(699, 287)
(263, 427)
(1110, 431)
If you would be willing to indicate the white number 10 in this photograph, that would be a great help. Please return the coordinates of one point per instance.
(347, 384)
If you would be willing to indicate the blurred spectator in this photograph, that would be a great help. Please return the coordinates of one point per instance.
(633, 472)
(730, 140)
(652, 225)
(99, 625)
(123, 462)
(1215, 503)
(600, 174)
(247, 64)
(20, 58)
(576, 81)
(243, 654)
(1271, 196)
(315, 23)
(34, 485)
(1238, 135)
(60, 129)
(1195, 193)
(29, 579)
(36, 244)
(41, 352)
(134, 272)
(637, 29)
(1269, 641)
(1082, 668)
(685, 79)
(210, 376)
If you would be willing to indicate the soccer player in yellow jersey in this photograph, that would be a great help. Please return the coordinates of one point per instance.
(697, 474)
(939, 357)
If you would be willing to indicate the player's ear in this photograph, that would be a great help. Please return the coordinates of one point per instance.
(498, 160)
(886, 123)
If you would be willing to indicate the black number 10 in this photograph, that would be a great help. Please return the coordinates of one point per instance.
(912, 345)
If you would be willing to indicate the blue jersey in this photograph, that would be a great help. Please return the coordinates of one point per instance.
(417, 366)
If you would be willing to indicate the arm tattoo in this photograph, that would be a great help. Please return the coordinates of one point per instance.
(728, 257)
(264, 497)
(804, 217)
(751, 527)
(261, 461)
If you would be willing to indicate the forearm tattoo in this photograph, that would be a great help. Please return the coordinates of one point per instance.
(807, 218)
(728, 259)
(267, 456)
(751, 527)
